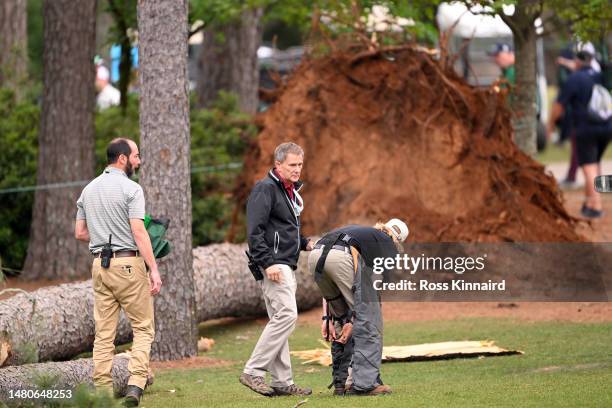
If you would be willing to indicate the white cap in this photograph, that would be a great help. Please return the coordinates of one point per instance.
(586, 47)
(398, 228)
(102, 73)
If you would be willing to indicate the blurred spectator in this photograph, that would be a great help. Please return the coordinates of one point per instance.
(566, 131)
(504, 58)
(108, 95)
(591, 137)
(587, 47)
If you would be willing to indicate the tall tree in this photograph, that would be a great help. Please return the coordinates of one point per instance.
(165, 177)
(13, 43)
(524, 120)
(229, 59)
(66, 139)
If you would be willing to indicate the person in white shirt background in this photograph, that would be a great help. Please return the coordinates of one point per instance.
(108, 95)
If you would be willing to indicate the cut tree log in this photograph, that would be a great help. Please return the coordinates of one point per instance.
(66, 375)
(57, 322)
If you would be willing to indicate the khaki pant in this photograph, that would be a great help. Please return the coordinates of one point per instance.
(337, 278)
(271, 352)
(125, 285)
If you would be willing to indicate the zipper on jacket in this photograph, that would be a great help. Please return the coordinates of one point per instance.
(276, 241)
(297, 220)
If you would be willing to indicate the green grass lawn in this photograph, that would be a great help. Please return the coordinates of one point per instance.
(564, 365)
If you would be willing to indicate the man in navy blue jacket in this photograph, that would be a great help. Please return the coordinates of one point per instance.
(275, 241)
(592, 137)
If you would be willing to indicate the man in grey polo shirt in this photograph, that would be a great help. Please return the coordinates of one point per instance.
(114, 205)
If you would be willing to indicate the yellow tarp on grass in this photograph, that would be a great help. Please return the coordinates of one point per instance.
(418, 352)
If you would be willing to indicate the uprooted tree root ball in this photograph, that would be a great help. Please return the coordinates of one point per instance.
(399, 135)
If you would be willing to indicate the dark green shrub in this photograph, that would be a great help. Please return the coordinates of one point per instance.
(18, 155)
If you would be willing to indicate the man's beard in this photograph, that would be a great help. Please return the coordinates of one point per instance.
(129, 170)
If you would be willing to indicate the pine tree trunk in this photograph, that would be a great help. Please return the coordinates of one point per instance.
(68, 375)
(57, 322)
(66, 140)
(524, 105)
(165, 177)
(13, 44)
(229, 61)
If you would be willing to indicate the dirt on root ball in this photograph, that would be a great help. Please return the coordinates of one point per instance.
(399, 135)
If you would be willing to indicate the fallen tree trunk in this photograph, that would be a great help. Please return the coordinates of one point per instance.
(66, 375)
(57, 322)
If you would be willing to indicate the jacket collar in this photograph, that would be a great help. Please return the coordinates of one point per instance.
(297, 185)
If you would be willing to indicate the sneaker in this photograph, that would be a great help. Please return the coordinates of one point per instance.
(589, 212)
(257, 384)
(132, 396)
(291, 390)
(379, 390)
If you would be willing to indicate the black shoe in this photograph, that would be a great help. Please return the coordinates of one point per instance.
(589, 212)
(132, 396)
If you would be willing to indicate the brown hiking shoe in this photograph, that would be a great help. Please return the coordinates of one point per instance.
(257, 384)
(291, 390)
(379, 390)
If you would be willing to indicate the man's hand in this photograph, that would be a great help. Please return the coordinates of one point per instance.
(332, 331)
(310, 245)
(274, 273)
(345, 335)
(155, 282)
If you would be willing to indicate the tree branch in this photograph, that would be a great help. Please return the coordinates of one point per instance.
(513, 27)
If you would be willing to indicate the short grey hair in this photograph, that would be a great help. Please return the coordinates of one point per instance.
(283, 149)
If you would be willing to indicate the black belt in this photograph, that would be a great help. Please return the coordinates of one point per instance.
(338, 240)
(343, 248)
(119, 254)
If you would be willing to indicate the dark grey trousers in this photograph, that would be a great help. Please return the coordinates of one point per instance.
(367, 332)
(363, 351)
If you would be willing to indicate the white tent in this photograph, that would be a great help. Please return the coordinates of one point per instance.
(471, 24)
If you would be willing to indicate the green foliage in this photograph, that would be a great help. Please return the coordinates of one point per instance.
(124, 15)
(299, 13)
(35, 39)
(45, 379)
(219, 137)
(86, 397)
(220, 12)
(590, 20)
(27, 353)
(18, 155)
